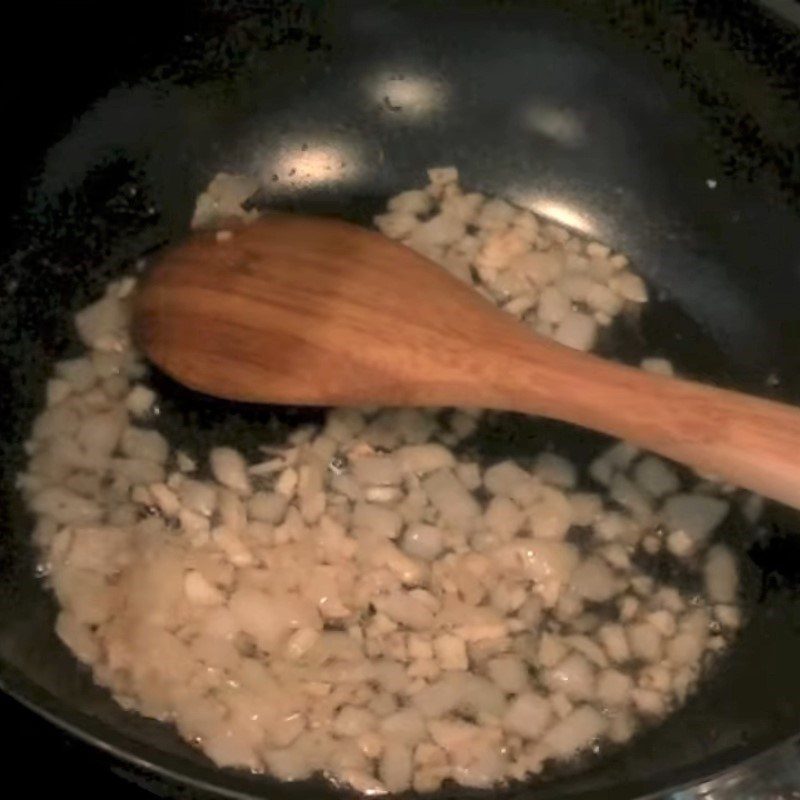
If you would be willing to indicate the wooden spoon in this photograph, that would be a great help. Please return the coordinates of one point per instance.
(316, 311)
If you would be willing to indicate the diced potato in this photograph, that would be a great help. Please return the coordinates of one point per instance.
(574, 677)
(576, 732)
(694, 515)
(528, 715)
(721, 575)
(456, 505)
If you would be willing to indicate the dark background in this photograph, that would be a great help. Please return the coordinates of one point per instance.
(65, 763)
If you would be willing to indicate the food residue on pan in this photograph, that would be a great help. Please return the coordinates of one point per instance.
(366, 600)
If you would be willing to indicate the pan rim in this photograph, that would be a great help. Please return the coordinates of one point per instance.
(712, 772)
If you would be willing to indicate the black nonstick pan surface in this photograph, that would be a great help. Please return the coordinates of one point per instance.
(678, 143)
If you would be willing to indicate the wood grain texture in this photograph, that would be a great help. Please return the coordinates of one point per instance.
(306, 311)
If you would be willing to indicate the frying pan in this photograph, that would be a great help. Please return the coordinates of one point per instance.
(669, 130)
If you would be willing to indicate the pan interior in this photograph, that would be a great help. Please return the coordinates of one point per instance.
(667, 135)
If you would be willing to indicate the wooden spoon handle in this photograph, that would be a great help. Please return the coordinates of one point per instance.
(748, 441)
